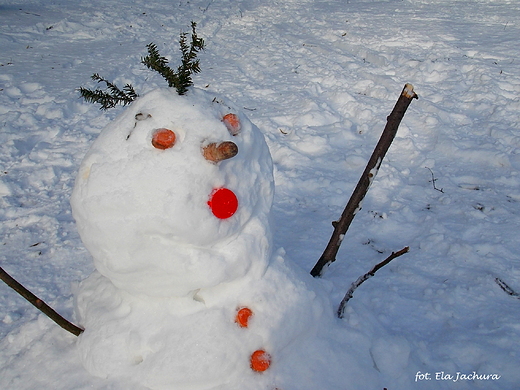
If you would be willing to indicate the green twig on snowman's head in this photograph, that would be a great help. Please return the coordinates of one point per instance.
(179, 79)
(111, 97)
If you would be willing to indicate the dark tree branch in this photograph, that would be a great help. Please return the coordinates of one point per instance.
(354, 204)
(433, 180)
(366, 276)
(503, 285)
(37, 302)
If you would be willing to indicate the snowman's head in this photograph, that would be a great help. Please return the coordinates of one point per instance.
(174, 195)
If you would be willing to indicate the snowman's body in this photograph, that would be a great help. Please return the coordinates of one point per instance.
(172, 272)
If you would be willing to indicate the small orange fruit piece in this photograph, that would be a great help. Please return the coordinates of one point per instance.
(260, 360)
(163, 139)
(242, 317)
(232, 123)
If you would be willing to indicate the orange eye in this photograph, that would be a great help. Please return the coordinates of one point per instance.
(163, 139)
(232, 123)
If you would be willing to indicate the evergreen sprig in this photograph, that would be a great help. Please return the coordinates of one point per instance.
(111, 97)
(180, 79)
(159, 63)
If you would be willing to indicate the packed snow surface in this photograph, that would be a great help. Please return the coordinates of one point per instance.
(318, 79)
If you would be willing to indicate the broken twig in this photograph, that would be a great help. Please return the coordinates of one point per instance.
(433, 180)
(354, 204)
(37, 302)
(366, 276)
(503, 285)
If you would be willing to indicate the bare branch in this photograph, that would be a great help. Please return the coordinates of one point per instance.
(503, 285)
(433, 180)
(354, 204)
(366, 276)
(41, 305)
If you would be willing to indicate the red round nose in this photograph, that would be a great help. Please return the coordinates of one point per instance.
(223, 203)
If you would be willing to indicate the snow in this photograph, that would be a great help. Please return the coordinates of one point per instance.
(135, 204)
(318, 79)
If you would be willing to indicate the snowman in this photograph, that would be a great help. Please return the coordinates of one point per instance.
(172, 201)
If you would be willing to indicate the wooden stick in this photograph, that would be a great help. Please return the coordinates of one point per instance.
(37, 302)
(354, 204)
(366, 276)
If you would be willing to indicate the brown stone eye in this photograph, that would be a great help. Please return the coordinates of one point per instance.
(163, 139)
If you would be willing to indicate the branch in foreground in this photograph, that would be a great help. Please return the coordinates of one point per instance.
(368, 176)
(503, 285)
(366, 276)
(37, 302)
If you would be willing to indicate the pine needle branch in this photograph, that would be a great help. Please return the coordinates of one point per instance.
(180, 79)
(155, 61)
(110, 98)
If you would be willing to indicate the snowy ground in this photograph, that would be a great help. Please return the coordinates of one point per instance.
(319, 79)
